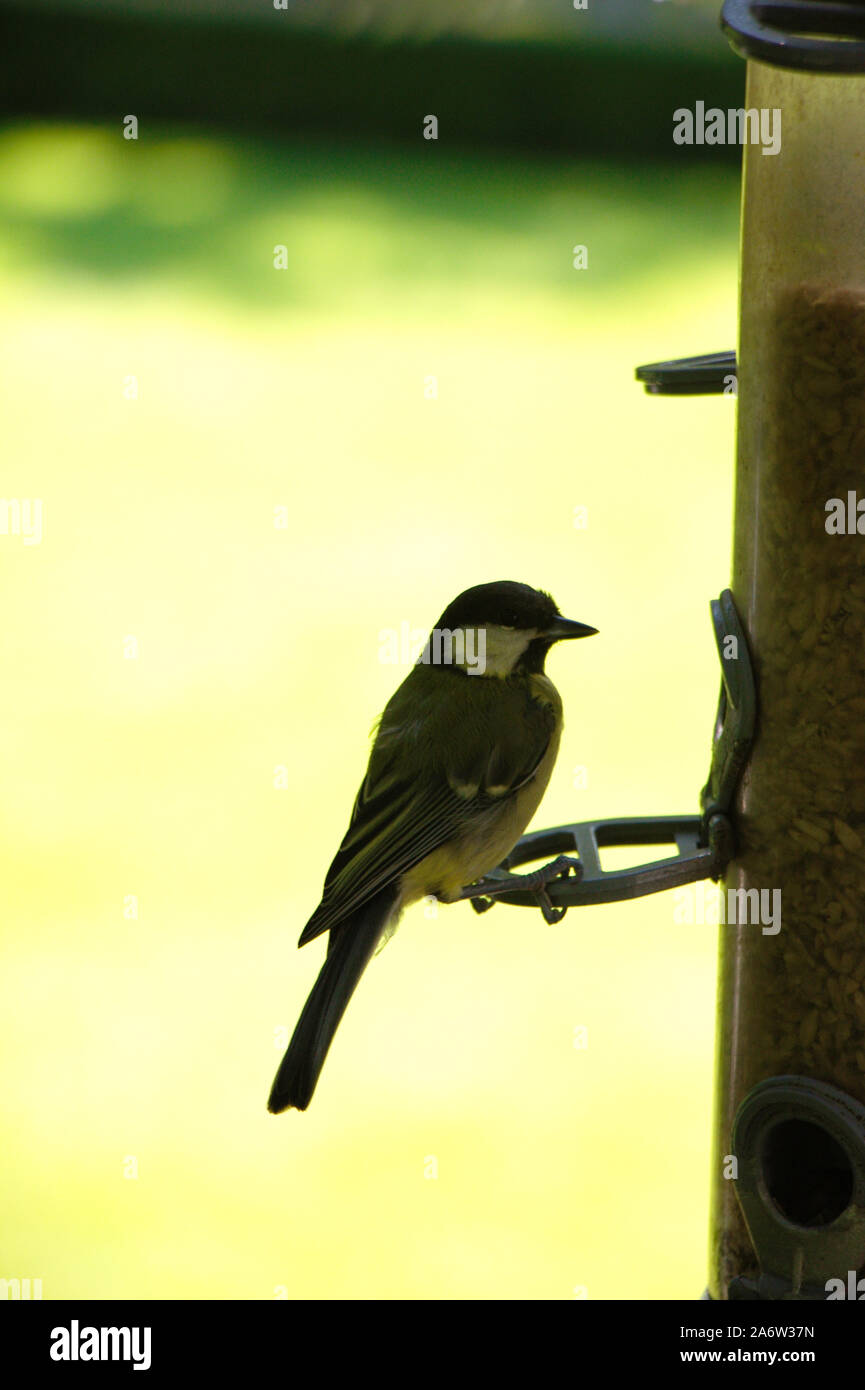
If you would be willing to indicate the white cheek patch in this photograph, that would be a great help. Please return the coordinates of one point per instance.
(505, 646)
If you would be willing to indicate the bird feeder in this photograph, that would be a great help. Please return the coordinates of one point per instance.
(788, 1205)
(789, 1151)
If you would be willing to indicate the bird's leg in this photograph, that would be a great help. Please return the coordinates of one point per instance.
(484, 892)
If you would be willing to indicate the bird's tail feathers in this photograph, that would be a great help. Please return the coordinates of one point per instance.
(351, 946)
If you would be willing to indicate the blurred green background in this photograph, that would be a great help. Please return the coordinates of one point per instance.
(154, 1038)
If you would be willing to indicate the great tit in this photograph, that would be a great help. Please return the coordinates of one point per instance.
(460, 760)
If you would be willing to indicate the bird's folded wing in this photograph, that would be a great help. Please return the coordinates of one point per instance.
(395, 830)
(398, 820)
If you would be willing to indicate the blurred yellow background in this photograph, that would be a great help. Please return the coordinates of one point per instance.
(149, 1043)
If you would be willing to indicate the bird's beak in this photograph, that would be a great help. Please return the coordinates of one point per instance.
(564, 628)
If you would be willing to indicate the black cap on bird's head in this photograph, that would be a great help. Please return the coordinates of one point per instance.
(505, 603)
(507, 610)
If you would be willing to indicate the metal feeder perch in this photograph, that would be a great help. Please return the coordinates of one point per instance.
(784, 808)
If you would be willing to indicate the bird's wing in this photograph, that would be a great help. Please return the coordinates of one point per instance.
(402, 813)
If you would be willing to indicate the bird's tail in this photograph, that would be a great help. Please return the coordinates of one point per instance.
(349, 951)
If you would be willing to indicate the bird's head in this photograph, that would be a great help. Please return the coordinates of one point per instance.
(499, 629)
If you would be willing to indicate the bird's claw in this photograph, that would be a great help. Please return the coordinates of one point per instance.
(482, 895)
(482, 904)
(557, 869)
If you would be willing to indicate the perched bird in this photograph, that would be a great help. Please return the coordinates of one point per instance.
(461, 758)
